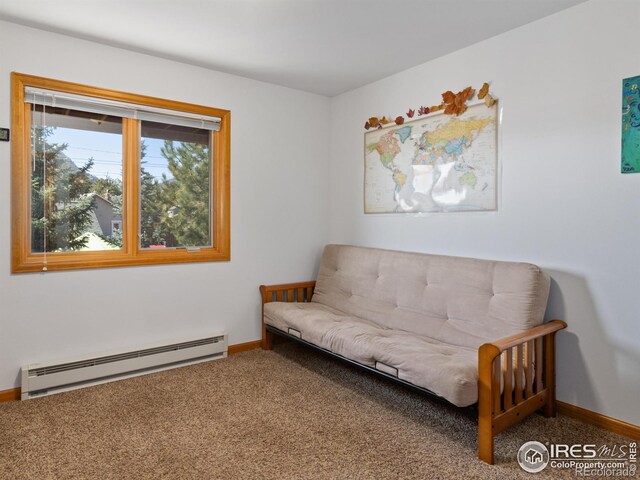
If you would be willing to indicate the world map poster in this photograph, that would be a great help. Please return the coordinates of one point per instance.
(439, 163)
(631, 125)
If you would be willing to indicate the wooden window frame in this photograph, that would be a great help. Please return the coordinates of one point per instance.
(24, 260)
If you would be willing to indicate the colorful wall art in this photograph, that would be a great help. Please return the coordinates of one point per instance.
(438, 163)
(631, 125)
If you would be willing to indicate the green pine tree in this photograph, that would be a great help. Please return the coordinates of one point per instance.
(110, 189)
(60, 205)
(153, 229)
(186, 196)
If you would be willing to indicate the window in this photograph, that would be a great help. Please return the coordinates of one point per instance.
(104, 178)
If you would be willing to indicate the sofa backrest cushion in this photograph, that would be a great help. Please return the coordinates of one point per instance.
(459, 301)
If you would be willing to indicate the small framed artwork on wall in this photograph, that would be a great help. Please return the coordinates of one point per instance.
(631, 125)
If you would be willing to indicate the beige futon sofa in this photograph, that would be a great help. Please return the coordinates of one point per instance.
(467, 330)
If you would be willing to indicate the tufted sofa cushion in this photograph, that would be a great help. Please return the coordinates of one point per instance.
(446, 370)
(458, 301)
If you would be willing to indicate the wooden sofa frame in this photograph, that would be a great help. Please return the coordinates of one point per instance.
(509, 361)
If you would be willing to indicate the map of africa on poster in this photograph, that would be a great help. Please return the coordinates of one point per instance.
(631, 125)
(437, 163)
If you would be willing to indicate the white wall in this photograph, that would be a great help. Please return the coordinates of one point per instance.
(279, 213)
(565, 206)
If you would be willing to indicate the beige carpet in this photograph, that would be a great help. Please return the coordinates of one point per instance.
(286, 414)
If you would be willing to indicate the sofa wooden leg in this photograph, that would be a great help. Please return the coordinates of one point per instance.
(487, 368)
(267, 340)
(549, 409)
(485, 441)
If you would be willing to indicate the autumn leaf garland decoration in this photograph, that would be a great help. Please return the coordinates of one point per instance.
(452, 104)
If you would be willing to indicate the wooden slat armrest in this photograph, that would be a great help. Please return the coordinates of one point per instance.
(286, 286)
(529, 381)
(300, 292)
(505, 343)
(284, 291)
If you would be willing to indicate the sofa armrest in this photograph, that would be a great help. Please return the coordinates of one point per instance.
(516, 377)
(513, 340)
(287, 292)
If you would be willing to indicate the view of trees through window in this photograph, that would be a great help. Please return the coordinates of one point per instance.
(174, 186)
(77, 189)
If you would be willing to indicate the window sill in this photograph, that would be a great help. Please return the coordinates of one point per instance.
(34, 263)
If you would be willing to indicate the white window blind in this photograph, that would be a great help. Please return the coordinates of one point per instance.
(51, 98)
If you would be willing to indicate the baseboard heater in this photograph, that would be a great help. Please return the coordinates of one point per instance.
(43, 379)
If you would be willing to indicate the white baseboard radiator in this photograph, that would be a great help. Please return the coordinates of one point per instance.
(43, 379)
